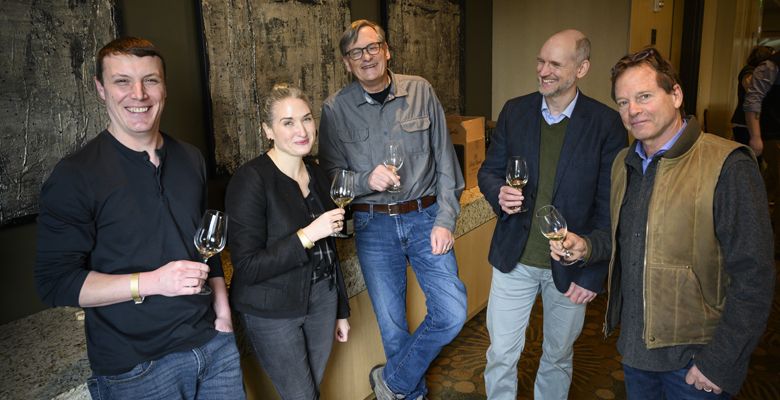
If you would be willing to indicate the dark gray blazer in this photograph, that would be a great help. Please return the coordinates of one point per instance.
(594, 136)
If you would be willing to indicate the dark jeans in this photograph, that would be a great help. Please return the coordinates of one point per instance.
(211, 371)
(294, 351)
(668, 385)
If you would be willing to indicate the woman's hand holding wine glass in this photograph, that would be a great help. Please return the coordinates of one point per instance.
(325, 225)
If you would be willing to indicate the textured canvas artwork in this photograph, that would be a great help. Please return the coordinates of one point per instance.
(425, 40)
(48, 103)
(253, 44)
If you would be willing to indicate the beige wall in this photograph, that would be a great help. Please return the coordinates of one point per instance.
(520, 27)
(730, 30)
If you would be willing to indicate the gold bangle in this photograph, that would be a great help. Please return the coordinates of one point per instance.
(305, 241)
(135, 278)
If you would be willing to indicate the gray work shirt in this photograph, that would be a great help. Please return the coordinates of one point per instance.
(354, 129)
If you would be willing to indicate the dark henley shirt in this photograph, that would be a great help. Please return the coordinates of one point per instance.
(107, 208)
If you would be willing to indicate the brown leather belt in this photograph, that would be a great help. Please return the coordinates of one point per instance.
(396, 208)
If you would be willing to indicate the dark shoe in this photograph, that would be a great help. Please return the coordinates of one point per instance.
(378, 385)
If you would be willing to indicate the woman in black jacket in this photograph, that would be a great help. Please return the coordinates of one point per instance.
(287, 284)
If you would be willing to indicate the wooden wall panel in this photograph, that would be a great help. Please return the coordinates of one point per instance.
(252, 44)
(48, 103)
(425, 40)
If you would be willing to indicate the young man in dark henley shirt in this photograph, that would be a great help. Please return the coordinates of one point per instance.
(115, 237)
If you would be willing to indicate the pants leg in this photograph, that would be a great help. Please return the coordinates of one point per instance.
(384, 243)
(210, 371)
(652, 385)
(294, 351)
(445, 301)
(512, 296)
(221, 372)
(562, 326)
(319, 328)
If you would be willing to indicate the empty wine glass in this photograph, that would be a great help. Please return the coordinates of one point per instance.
(553, 227)
(517, 176)
(210, 238)
(394, 160)
(342, 191)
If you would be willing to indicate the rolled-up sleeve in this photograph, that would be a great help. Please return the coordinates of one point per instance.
(763, 77)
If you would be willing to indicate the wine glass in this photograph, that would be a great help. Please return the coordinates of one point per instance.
(210, 238)
(342, 191)
(553, 227)
(394, 160)
(517, 176)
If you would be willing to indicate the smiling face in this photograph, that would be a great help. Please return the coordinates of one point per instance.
(557, 68)
(369, 70)
(133, 90)
(649, 113)
(292, 127)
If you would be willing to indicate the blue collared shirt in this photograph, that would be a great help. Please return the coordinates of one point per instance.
(554, 119)
(646, 160)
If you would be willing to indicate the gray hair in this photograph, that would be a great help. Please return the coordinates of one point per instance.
(349, 37)
(582, 50)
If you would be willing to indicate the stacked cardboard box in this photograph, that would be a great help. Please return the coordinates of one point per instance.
(468, 136)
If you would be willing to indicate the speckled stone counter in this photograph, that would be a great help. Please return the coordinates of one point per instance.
(44, 356)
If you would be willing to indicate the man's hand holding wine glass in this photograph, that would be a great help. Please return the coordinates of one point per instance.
(176, 278)
(575, 244)
(382, 178)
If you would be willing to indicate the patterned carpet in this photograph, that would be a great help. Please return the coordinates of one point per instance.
(458, 372)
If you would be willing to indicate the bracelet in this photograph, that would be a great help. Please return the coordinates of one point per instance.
(135, 278)
(305, 241)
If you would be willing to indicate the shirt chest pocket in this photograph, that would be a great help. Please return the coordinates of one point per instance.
(356, 146)
(416, 134)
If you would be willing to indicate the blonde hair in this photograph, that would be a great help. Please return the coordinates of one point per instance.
(279, 92)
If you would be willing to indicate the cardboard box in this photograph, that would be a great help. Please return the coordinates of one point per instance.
(468, 136)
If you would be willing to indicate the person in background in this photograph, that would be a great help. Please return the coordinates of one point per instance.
(416, 224)
(738, 126)
(115, 237)
(568, 141)
(287, 283)
(691, 276)
(762, 115)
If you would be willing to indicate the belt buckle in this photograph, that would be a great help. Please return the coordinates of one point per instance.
(394, 209)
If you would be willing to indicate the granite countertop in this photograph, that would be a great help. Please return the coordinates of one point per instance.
(44, 356)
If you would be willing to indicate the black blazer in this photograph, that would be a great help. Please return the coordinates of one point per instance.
(594, 136)
(271, 269)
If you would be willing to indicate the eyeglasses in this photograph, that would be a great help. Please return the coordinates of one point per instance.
(372, 49)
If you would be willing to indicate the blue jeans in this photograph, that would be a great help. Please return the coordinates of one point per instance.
(512, 296)
(669, 385)
(384, 243)
(211, 371)
(295, 351)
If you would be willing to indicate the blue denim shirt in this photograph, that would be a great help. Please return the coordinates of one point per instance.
(354, 129)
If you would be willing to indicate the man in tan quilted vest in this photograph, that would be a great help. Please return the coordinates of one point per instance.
(691, 276)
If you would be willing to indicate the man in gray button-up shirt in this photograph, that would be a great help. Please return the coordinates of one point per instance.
(415, 223)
